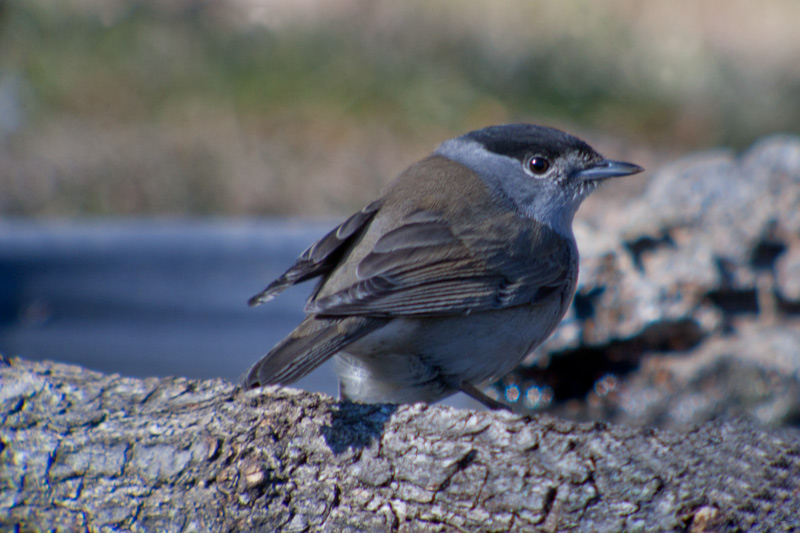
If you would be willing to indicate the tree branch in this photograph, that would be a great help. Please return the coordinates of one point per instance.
(83, 450)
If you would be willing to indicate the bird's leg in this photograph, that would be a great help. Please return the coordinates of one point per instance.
(473, 392)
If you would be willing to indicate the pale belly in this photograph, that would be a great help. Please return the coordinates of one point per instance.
(425, 359)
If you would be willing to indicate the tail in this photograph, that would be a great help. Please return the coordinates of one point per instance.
(311, 343)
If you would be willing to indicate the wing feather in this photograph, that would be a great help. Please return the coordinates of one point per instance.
(321, 257)
(422, 268)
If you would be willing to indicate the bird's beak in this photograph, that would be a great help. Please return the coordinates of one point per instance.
(608, 169)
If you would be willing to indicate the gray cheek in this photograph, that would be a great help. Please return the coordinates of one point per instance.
(505, 177)
(541, 200)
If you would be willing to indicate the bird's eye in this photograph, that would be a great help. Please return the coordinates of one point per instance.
(537, 165)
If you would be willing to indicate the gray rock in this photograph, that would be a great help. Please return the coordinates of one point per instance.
(707, 257)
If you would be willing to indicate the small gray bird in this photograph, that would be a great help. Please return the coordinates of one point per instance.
(462, 268)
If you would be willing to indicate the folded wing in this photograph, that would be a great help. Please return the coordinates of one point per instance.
(422, 268)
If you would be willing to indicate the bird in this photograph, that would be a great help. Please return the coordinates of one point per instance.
(458, 271)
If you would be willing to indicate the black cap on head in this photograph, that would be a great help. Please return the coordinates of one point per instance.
(519, 140)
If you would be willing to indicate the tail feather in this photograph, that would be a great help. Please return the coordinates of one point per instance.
(312, 343)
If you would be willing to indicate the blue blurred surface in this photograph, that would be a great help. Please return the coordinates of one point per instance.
(144, 298)
(152, 297)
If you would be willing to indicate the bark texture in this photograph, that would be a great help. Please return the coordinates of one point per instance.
(81, 450)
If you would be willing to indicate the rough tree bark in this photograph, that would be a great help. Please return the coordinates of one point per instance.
(81, 450)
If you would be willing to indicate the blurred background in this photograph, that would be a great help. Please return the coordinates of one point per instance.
(284, 107)
(162, 160)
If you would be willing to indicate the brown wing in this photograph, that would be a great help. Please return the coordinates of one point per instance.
(422, 268)
(321, 257)
(314, 340)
